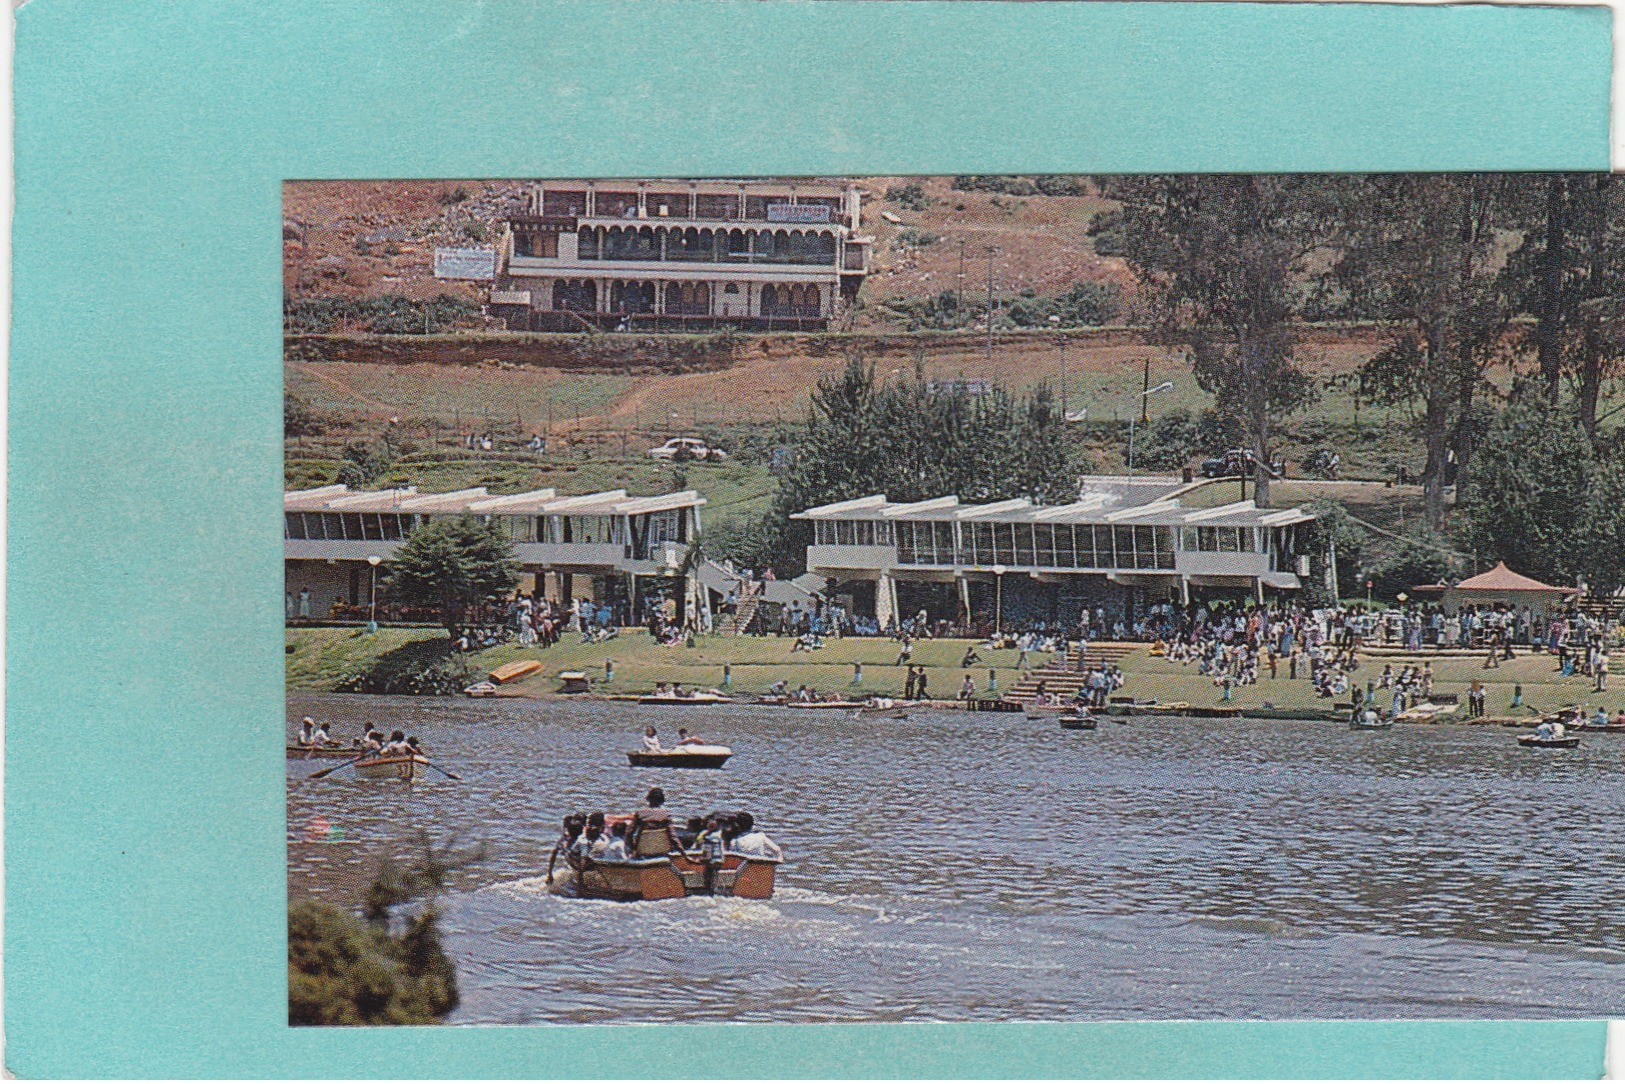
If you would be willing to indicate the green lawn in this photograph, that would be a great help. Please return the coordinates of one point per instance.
(320, 657)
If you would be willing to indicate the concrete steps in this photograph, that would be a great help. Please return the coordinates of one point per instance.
(1066, 679)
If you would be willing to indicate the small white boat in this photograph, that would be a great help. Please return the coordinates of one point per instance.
(394, 766)
(686, 700)
(480, 688)
(682, 756)
(1036, 710)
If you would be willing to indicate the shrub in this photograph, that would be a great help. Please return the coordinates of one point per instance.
(910, 197)
(1107, 230)
(476, 231)
(456, 195)
(1086, 304)
(912, 238)
(341, 971)
(298, 419)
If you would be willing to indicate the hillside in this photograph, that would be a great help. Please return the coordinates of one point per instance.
(360, 239)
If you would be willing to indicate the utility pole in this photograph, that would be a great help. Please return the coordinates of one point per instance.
(1145, 393)
(1063, 379)
(959, 283)
(990, 252)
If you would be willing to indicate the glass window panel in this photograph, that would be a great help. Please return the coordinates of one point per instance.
(1165, 547)
(905, 543)
(1228, 542)
(1144, 548)
(293, 525)
(370, 527)
(332, 526)
(1004, 544)
(945, 543)
(1066, 556)
(1044, 540)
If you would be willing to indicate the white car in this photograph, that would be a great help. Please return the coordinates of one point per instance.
(697, 449)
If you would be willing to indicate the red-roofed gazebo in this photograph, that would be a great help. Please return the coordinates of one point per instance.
(1502, 585)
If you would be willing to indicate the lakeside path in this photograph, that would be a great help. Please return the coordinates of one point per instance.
(318, 658)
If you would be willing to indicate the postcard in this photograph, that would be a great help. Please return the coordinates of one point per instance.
(816, 540)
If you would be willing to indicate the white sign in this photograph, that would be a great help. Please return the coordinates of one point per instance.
(465, 263)
(804, 212)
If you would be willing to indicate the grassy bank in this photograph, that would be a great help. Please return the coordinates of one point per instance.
(319, 658)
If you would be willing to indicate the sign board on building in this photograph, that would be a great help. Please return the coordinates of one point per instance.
(785, 212)
(465, 263)
(545, 223)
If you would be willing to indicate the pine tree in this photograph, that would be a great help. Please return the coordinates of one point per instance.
(453, 566)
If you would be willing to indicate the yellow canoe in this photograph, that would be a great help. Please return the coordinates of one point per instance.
(513, 671)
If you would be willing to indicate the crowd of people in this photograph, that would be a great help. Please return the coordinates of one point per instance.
(314, 735)
(652, 832)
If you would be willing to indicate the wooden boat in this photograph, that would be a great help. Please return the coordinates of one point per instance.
(513, 671)
(1046, 711)
(833, 705)
(891, 709)
(688, 700)
(670, 877)
(396, 766)
(480, 688)
(1078, 722)
(683, 756)
(1531, 741)
(307, 752)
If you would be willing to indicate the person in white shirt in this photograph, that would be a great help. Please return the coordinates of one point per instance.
(651, 740)
(307, 731)
(319, 737)
(615, 849)
(751, 842)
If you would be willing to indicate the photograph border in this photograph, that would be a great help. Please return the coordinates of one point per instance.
(145, 902)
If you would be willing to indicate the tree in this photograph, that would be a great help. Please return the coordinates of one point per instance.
(1423, 250)
(1222, 262)
(1535, 504)
(453, 565)
(1569, 273)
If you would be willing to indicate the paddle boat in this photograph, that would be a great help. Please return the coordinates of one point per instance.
(1427, 712)
(1083, 721)
(883, 705)
(1370, 720)
(683, 756)
(1046, 709)
(393, 766)
(480, 689)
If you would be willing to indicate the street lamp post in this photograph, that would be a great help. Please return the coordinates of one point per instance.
(1055, 322)
(1166, 385)
(372, 594)
(998, 599)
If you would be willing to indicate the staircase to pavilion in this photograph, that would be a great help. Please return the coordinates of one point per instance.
(1065, 677)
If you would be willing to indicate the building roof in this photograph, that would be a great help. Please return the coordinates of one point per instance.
(1502, 578)
(340, 498)
(1101, 499)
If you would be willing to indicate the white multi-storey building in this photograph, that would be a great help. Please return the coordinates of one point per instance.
(606, 547)
(1124, 544)
(677, 255)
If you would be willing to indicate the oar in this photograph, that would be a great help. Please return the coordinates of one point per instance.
(329, 771)
(441, 770)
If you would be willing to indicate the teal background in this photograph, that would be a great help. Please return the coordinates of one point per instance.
(144, 877)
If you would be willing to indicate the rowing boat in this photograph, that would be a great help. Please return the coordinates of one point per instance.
(394, 766)
(684, 756)
(1036, 710)
(1531, 741)
(834, 705)
(672, 876)
(1078, 722)
(306, 752)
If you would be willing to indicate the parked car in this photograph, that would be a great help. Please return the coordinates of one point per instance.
(1236, 461)
(694, 446)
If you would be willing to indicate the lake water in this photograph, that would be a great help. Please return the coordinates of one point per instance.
(965, 866)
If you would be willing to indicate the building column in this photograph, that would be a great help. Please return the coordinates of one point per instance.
(1184, 590)
(885, 601)
(964, 595)
(603, 295)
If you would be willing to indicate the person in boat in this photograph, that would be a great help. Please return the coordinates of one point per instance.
(751, 841)
(615, 850)
(778, 688)
(651, 740)
(690, 832)
(1601, 718)
(320, 737)
(586, 844)
(662, 689)
(396, 745)
(653, 817)
(1544, 730)
(374, 743)
(307, 731)
(685, 738)
(414, 748)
